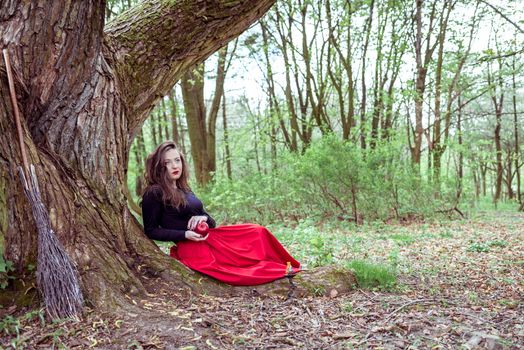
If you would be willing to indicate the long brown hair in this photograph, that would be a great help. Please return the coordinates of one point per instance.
(158, 178)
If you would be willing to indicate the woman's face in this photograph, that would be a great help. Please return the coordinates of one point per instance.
(173, 164)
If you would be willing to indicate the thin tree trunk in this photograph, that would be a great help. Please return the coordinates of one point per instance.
(422, 64)
(498, 105)
(213, 111)
(437, 123)
(290, 138)
(175, 133)
(227, 151)
(460, 170)
(152, 128)
(484, 177)
(165, 120)
(363, 102)
(516, 132)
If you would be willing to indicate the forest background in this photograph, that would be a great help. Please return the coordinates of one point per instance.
(361, 111)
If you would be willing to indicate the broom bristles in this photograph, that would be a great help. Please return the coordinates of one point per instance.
(57, 278)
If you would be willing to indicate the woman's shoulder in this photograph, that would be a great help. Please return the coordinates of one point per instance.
(153, 192)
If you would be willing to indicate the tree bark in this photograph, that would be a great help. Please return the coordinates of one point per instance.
(195, 110)
(175, 133)
(84, 92)
(498, 102)
(516, 132)
(437, 154)
(460, 166)
(422, 63)
(367, 30)
(227, 151)
(201, 125)
(274, 105)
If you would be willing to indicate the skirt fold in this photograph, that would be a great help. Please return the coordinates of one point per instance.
(242, 255)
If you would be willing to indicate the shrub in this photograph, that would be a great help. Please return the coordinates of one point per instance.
(331, 179)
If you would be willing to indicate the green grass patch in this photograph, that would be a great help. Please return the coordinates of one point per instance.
(445, 235)
(373, 276)
(403, 239)
(484, 247)
(497, 243)
(478, 247)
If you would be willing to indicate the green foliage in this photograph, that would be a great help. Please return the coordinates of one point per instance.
(373, 276)
(11, 326)
(484, 247)
(321, 251)
(478, 247)
(312, 245)
(331, 180)
(6, 266)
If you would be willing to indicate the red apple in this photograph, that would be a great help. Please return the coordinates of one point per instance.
(202, 228)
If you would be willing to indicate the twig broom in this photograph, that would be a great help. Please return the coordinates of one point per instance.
(56, 276)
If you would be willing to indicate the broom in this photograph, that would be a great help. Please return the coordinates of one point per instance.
(56, 276)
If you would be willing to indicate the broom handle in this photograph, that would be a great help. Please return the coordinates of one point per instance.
(15, 108)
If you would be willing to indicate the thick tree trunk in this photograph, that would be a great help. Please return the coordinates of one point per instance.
(83, 95)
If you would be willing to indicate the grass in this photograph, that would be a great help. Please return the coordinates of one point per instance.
(373, 276)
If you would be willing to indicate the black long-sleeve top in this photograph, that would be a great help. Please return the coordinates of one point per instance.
(167, 223)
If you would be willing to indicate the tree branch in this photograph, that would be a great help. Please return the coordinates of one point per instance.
(151, 45)
(502, 15)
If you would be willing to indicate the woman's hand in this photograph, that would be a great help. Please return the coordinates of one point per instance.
(193, 236)
(195, 220)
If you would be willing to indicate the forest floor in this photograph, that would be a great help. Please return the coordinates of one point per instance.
(460, 285)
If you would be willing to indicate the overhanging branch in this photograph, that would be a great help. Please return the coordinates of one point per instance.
(151, 45)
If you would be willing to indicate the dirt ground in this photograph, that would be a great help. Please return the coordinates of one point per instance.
(460, 285)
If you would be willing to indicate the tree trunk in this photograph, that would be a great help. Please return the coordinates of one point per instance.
(213, 111)
(274, 105)
(460, 167)
(165, 120)
(227, 151)
(516, 132)
(202, 127)
(84, 92)
(175, 133)
(367, 30)
(484, 177)
(498, 105)
(437, 154)
(195, 111)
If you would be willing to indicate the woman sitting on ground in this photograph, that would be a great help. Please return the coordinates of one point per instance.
(245, 254)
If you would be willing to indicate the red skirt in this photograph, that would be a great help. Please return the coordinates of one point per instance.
(242, 255)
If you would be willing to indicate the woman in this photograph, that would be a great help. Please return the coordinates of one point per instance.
(239, 254)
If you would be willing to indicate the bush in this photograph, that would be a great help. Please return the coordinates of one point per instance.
(332, 179)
